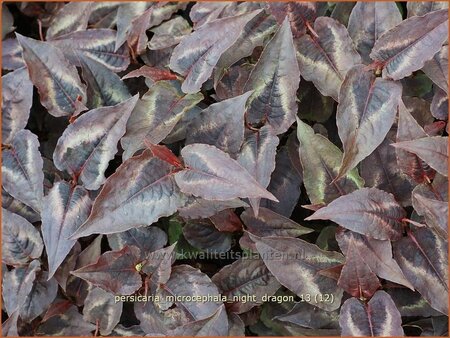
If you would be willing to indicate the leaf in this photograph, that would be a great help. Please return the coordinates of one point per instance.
(114, 271)
(410, 303)
(65, 209)
(65, 324)
(202, 235)
(306, 315)
(21, 241)
(433, 150)
(321, 160)
(97, 44)
(215, 325)
(420, 8)
(380, 170)
(377, 254)
(169, 33)
(326, 58)
(87, 145)
(70, 18)
(17, 98)
(357, 278)
(42, 294)
(158, 264)
(22, 175)
(379, 317)
(204, 12)
(221, 124)
(365, 113)
(422, 256)
(270, 224)
(152, 73)
(368, 211)
(16, 207)
(147, 239)
(105, 88)
(57, 81)
(243, 280)
(100, 307)
(232, 83)
(436, 68)
(298, 13)
(17, 285)
(62, 274)
(124, 204)
(212, 174)
(439, 105)
(342, 11)
(434, 211)
(275, 83)
(12, 54)
(7, 21)
(201, 208)
(368, 21)
(197, 54)
(103, 14)
(227, 221)
(313, 106)
(156, 114)
(296, 267)
(125, 15)
(405, 48)
(409, 163)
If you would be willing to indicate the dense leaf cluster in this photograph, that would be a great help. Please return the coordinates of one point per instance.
(246, 168)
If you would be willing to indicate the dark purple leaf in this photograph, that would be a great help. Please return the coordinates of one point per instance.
(169, 33)
(227, 221)
(158, 264)
(62, 274)
(434, 211)
(232, 82)
(439, 105)
(406, 47)
(299, 14)
(366, 111)
(59, 86)
(103, 14)
(368, 211)
(114, 271)
(73, 17)
(202, 234)
(69, 323)
(65, 209)
(411, 304)
(16, 207)
(201, 208)
(379, 317)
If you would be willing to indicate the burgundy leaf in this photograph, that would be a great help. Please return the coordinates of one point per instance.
(152, 73)
(368, 211)
(65, 209)
(300, 14)
(202, 234)
(410, 303)
(227, 220)
(434, 211)
(325, 57)
(164, 153)
(158, 264)
(124, 204)
(275, 83)
(422, 256)
(295, 263)
(21, 241)
(245, 278)
(406, 47)
(368, 21)
(103, 14)
(366, 111)
(22, 175)
(17, 98)
(87, 145)
(198, 53)
(57, 81)
(114, 271)
(221, 125)
(212, 174)
(432, 150)
(73, 17)
(232, 81)
(379, 317)
(16, 207)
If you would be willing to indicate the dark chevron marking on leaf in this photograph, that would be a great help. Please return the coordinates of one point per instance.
(379, 317)
(114, 271)
(22, 175)
(439, 105)
(57, 80)
(321, 160)
(105, 88)
(366, 111)
(368, 211)
(17, 98)
(156, 114)
(197, 54)
(212, 174)
(12, 55)
(368, 21)
(125, 203)
(326, 59)
(306, 315)
(405, 48)
(298, 13)
(203, 235)
(65, 208)
(257, 155)
(436, 68)
(70, 18)
(422, 256)
(17, 207)
(432, 150)
(87, 145)
(21, 241)
(275, 79)
(221, 124)
(299, 265)
(98, 44)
